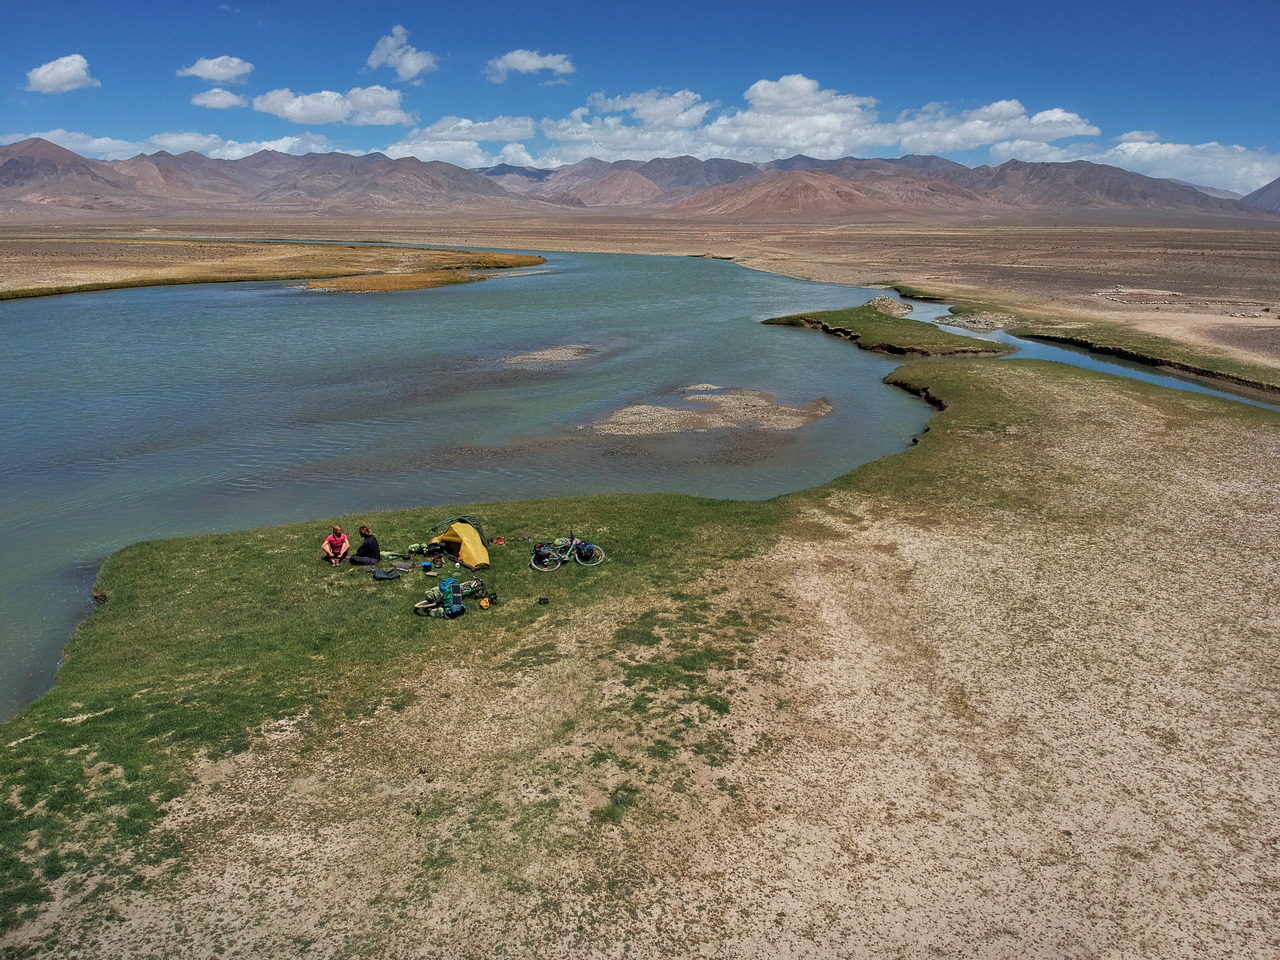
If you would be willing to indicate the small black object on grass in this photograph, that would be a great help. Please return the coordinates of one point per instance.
(544, 600)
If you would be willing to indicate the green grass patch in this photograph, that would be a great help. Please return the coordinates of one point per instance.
(621, 799)
(872, 330)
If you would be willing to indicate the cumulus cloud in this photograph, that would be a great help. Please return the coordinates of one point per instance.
(111, 148)
(1138, 136)
(62, 75)
(218, 69)
(527, 61)
(933, 130)
(516, 154)
(460, 128)
(1230, 166)
(464, 153)
(675, 111)
(359, 106)
(790, 115)
(407, 61)
(219, 99)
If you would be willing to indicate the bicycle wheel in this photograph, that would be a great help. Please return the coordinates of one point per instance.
(594, 557)
(545, 564)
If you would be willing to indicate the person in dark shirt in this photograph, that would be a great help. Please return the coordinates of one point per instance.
(368, 553)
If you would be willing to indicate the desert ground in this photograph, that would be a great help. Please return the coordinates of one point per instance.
(1009, 694)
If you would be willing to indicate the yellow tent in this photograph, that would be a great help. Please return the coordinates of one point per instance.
(464, 543)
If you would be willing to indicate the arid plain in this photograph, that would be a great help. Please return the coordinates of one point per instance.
(1008, 694)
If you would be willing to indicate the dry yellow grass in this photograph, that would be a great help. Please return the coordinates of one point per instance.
(44, 267)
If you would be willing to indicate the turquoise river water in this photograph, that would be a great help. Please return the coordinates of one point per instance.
(135, 414)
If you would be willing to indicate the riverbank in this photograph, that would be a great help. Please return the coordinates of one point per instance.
(871, 328)
(1212, 295)
(973, 677)
(1192, 299)
(51, 267)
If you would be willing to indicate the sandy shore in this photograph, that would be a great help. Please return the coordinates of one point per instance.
(722, 409)
(566, 353)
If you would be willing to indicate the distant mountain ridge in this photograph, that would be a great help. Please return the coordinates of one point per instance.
(36, 175)
(40, 180)
(802, 186)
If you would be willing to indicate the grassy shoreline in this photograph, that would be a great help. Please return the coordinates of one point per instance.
(870, 329)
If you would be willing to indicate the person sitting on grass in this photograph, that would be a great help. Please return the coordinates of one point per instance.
(335, 547)
(368, 553)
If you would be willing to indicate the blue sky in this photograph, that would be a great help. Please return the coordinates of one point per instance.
(1191, 89)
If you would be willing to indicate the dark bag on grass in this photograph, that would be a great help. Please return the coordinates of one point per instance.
(385, 574)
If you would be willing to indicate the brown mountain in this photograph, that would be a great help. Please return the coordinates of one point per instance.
(189, 174)
(683, 175)
(803, 188)
(783, 195)
(593, 182)
(336, 181)
(1082, 184)
(620, 188)
(1265, 198)
(37, 172)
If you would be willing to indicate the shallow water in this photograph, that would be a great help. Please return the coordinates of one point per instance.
(134, 414)
(1079, 357)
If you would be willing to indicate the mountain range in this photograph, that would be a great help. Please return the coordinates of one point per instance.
(40, 181)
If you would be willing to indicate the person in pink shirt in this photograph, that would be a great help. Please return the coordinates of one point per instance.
(335, 546)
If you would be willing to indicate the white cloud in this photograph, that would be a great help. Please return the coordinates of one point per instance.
(790, 115)
(1138, 136)
(1230, 166)
(464, 153)
(395, 52)
(219, 99)
(62, 75)
(516, 154)
(460, 128)
(110, 148)
(933, 130)
(457, 140)
(218, 69)
(527, 61)
(376, 106)
(360, 106)
(297, 144)
(676, 111)
(793, 114)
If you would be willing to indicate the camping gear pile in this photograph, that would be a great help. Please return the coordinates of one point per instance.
(461, 539)
(445, 601)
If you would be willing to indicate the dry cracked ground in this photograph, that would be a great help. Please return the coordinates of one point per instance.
(1015, 701)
